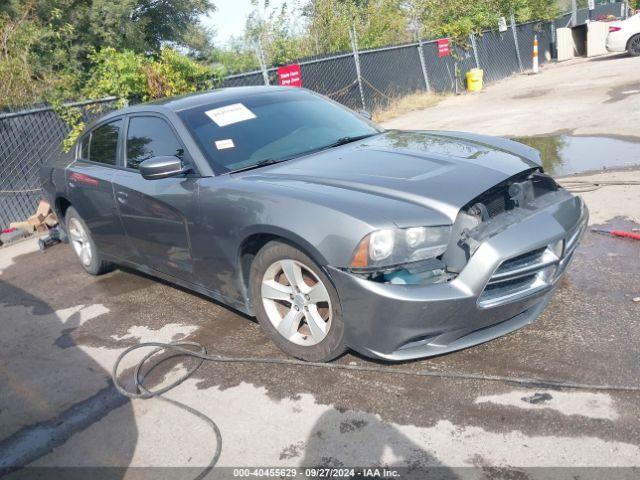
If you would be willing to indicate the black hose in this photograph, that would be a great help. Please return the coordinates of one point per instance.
(201, 354)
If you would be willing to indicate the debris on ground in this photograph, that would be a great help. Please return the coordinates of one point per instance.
(537, 398)
(40, 222)
(636, 299)
(50, 240)
(617, 233)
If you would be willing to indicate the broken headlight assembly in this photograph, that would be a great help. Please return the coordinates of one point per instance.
(402, 255)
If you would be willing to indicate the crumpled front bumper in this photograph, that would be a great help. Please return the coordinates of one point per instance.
(505, 285)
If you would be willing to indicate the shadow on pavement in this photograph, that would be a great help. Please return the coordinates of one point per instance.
(51, 390)
(361, 440)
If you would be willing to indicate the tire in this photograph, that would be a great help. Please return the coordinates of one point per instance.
(307, 313)
(83, 245)
(633, 47)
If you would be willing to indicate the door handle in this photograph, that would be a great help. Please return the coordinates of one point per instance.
(122, 197)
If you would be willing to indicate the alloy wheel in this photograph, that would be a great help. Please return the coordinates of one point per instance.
(296, 302)
(80, 241)
(634, 45)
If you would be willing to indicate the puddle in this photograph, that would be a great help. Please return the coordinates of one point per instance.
(566, 154)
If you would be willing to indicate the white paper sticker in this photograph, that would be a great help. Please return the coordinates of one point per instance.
(224, 144)
(230, 114)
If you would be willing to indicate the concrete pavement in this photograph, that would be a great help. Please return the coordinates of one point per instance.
(61, 330)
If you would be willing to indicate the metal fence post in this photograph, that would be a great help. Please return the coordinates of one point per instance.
(515, 39)
(261, 61)
(423, 65)
(574, 13)
(472, 37)
(356, 59)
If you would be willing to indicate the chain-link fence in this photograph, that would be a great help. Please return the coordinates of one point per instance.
(371, 79)
(360, 79)
(28, 139)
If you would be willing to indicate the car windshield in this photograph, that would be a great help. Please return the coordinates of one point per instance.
(271, 127)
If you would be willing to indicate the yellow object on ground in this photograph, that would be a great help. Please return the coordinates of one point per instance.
(474, 79)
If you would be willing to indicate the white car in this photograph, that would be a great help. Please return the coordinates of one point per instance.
(624, 36)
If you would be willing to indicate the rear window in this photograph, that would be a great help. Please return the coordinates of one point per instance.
(101, 145)
(270, 126)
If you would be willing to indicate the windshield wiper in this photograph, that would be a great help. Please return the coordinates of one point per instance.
(261, 163)
(345, 140)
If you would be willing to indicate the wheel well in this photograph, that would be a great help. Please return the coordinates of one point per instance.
(248, 250)
(61, 206)
(252, 245)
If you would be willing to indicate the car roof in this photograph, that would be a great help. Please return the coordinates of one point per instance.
(184, 102)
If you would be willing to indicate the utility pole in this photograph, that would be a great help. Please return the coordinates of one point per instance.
(356, 59)
(472, 37)
(261, 61)
(423, 64)
(514, 30)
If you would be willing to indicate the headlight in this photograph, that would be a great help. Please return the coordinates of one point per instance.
(381, 245)
(389, 247)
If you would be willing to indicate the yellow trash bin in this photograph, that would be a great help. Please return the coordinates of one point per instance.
(474, 79)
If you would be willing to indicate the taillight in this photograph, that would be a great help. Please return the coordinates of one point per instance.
(614, 29)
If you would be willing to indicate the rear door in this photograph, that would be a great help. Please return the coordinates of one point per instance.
(155, 213)
(89, 185)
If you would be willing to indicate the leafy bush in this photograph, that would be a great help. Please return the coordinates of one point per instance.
(21, 80)
(133, 78)
(121, 74)
(176, 74)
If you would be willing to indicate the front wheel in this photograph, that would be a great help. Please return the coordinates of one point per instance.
(296, 303)
(634, 46)
(83, 245)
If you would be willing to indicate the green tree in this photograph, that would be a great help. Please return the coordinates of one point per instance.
(134, 77)
(138, 25)
(24, 78)
(459, 18)
(377, 22)
(64, 34)
(274, 29)
(235, 57)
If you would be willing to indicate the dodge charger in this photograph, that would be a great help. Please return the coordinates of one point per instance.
(333, 232)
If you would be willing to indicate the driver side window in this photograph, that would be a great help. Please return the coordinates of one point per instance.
(150, 137)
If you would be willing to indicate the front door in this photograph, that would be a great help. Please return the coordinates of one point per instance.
(155, 213)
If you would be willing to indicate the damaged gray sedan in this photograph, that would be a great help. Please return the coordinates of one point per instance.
(334, 233)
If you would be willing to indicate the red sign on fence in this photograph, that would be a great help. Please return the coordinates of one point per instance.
(290, 76)
(444, 49)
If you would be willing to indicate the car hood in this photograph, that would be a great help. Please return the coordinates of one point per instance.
(439, 170)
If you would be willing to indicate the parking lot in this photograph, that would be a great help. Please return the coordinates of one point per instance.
(62, 330)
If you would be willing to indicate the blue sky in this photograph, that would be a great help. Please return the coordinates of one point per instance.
(229, 18)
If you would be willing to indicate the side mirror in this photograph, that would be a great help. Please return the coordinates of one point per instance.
(366, 114)
(161, 167)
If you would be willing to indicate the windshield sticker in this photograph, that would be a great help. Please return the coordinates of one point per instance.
(230, 114)
(224, 144)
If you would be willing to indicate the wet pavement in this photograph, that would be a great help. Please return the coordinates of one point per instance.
(567, 154)
(63, 329)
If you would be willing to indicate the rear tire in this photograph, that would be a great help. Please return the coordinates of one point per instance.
(83, 244)
(296, 304)
(633, 47)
